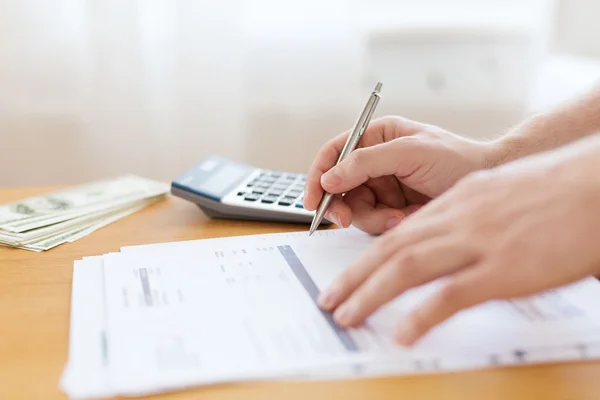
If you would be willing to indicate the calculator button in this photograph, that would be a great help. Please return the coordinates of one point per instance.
(241, 193)
(275, 192)
(268, 180)
(297, 188)
(263, 186)
(275, 174)
(279, 186)
(250, 184)
(290, 177)
(252, 197)
(269, 199)
(299, 205)
(286, 201)
(294, 193)
(258, 191)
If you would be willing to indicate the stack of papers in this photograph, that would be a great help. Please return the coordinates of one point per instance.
(168, 316)
(43, 222)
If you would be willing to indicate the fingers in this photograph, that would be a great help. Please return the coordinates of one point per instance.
(339, 213)
(383, 249)
(391, 158)
(381, 130)
(465, 289)
(414, 197)
(368, 215)
(413, 266)
(326, 158)
(412, 209)
(388, 191)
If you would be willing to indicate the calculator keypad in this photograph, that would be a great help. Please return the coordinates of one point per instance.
(286, 201)
(269, 199)
(272, 187)
(275, 192)
(252, 197)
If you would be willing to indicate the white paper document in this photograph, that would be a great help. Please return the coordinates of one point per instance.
(167, 316)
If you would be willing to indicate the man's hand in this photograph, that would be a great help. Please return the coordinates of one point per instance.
(398, 168)
(506, 232)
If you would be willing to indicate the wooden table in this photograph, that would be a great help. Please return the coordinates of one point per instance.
(34, 319)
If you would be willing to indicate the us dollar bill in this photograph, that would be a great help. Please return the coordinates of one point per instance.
(69, 225)
(78, 233)
(44, 210)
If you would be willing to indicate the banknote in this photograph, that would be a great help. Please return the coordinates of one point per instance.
(83, 197)
(79, 233)
(76, 232)
(20, 238)
(51, 219)
(43, 222)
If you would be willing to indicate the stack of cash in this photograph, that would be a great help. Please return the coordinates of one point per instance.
(43, 222)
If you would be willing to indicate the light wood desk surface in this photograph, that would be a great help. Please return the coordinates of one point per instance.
(34, 320)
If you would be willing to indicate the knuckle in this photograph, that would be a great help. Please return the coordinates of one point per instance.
(410, 259)
(361, 298)
(386, 119)
(350, 277)
(450, 294)
(384, 284)
(406, 265)
(418, 321)
(384, 245)
(343, 281)
(380, 124)
(356, 159)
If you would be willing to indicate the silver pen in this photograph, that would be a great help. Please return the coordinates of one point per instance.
(353, 138)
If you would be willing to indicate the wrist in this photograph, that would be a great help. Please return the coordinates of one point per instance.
(527, 138)
(504, 150)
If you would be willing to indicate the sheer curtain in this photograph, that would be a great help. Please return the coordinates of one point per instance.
(94, 88)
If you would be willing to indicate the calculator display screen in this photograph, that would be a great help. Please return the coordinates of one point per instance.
(218, 182)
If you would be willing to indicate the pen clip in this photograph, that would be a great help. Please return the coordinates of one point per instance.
(361, 124)
(373, 101)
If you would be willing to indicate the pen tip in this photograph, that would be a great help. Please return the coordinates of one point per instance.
(313, 227)
(378, 86)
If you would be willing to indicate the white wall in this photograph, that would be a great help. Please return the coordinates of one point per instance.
(577, 28)
(97, 88)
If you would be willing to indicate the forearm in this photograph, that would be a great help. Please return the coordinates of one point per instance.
(558, 127)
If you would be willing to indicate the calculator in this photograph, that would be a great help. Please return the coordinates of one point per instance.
(227, 189)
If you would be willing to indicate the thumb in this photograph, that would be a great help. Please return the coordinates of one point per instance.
(390, 158)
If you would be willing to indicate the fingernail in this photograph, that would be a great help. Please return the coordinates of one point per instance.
(392, 222)
(406, 334)
(327, 298)
(331, 178)
(344, 315)
(333, 217)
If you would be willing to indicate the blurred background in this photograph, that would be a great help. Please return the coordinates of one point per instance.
(92, 89)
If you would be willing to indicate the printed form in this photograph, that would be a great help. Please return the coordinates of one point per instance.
(165, 316)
